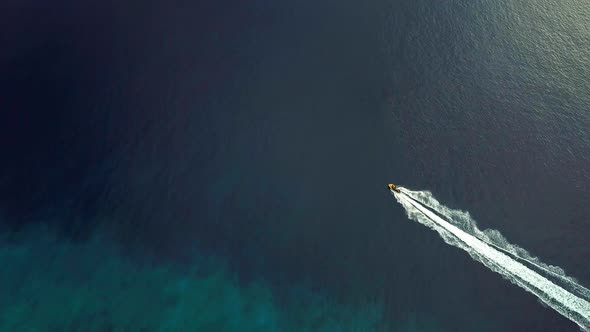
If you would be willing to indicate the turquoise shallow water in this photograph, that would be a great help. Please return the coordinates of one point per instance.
(50, 285)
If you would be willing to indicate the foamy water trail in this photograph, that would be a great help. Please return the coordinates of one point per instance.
(494, 238)
(461, 231)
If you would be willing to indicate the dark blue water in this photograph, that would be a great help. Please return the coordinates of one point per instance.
(265, 132)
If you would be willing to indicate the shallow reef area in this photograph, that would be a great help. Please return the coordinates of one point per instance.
(48, 284)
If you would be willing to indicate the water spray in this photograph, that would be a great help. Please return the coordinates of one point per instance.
(564, 294)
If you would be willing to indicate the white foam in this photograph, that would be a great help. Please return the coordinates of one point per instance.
(494, 238)
(461, 231)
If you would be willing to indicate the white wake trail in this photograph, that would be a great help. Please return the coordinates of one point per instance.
(462, 232)
(492, 237)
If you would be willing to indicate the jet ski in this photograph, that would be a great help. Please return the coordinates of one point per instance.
(393, 187)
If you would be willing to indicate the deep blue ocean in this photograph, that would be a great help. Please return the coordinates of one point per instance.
(252, 141)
